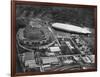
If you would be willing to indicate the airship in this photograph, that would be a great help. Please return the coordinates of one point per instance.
(71, 28)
